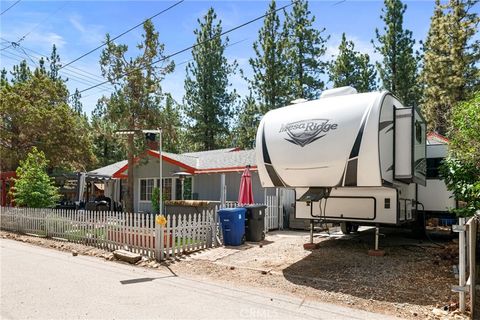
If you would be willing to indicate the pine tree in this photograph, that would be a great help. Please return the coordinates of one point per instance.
(171, 123)
(449, 74)
(352, 68)
(269, 82)
(343, 71)
(398, 70)
(138, 95)
(55, 65)
(305, 46)
(75, 102)
(367, 74)
(248, 121)
(208, 100)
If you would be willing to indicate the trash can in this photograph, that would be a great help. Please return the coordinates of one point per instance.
(233, 225)
(255, 223)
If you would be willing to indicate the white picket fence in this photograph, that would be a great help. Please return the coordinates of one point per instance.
(273, 212)
(115, 230)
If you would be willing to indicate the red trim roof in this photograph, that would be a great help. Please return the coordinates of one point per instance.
(120, 173)
(434, 135)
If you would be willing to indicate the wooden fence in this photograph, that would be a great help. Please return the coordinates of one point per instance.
(467, 262)
(115, 230)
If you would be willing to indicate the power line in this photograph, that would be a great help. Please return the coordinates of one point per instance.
(13, 5)
(93, 77)
(177, 64)
(123, 33)
(17, 43)
(195, 45)
(70, 74)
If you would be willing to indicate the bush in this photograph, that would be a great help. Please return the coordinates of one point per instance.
(33, 186)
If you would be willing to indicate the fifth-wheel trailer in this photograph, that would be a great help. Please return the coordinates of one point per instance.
(350, 157)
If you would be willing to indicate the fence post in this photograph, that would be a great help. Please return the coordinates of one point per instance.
(461, 264)
(158, 242)
(472, 247)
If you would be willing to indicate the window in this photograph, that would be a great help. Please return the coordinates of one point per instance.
(187, 189)
(146, 189)
(166, 188)
(433, 165)
(418, 132)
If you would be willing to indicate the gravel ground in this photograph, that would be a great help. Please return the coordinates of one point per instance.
(412, 281)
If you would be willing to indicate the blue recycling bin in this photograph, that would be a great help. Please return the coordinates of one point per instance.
(233, 225)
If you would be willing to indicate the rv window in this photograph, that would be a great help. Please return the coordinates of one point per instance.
(433, 165)
(418, 132)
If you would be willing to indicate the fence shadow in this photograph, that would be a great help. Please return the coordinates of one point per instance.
(412, 271)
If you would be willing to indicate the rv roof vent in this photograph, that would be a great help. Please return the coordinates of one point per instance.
(335, 92)
(301, 100)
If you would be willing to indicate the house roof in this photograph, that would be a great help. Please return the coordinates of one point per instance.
(108, 170)
(436, 138)
(213, 161)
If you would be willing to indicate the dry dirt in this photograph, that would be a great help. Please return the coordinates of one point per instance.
(412, 281)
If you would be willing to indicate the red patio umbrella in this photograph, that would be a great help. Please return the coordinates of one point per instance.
(245, 194)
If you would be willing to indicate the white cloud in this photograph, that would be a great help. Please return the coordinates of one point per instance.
(90, 34)
(75, 21)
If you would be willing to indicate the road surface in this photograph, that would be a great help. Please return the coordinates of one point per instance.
(40, 283)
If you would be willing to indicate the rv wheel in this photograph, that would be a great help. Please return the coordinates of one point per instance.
(346, 227)
(355, 227)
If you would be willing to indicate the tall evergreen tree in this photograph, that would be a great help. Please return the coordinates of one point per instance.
(171, 123)
(367, 74)
(305, 47)
(248, 120)
(106, 146)
(450, 71)
(75, 102)
(208, 100)
(270, 74)
(138, 95)
(352, 68)
(398, 70)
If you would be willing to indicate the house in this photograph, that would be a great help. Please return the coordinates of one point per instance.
(205, 171)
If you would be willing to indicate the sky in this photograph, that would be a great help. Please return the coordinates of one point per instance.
(76, 27)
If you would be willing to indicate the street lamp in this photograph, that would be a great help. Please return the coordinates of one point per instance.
(182, 175)
(159, 132)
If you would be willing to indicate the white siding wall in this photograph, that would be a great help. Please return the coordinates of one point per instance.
(151, 169)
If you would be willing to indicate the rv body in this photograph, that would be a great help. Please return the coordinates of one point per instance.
(348, 156)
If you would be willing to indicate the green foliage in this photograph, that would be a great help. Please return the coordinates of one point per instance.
(270, 82)
(305, 46)
(76, 103)
(352, 68)
(137, 99)
(107, 147)
(463, 179)
(156, 200)
(461, 170)
(170, 122)
(208, 100)
(451, 54)
(248, 121)
(465, 131)
(398, 70)
(33, 187)
(34, 112)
